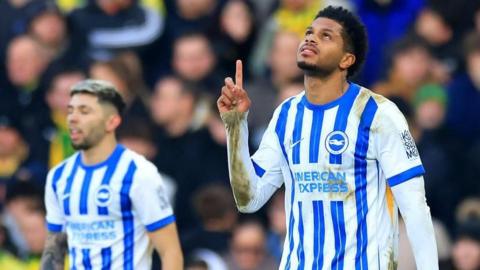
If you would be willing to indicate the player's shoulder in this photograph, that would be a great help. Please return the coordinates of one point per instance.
(387, 116)
(385, 107)
(60, 167)
(143, 166)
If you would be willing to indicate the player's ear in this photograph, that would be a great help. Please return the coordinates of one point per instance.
(347, 61)
(112, 123)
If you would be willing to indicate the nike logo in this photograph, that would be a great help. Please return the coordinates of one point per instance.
(65, 196)
(292, 144)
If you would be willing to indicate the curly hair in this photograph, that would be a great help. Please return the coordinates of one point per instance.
(353, 33)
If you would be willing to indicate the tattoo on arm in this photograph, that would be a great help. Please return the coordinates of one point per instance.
(53, 256)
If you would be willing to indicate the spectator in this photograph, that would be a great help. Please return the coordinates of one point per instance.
(26, 62)
(468, 209)
(463, 116)
(247, 249)
(16, 163)
(187, 16)
(235, 37)
(14, 19)
(25, 200)
(216, 210)
(49, 27)
(437, 147)
(102, 28)
(194, 61)
(125, 72)
(466, 249)
(408, 70)
(181, 133)
(433, 26)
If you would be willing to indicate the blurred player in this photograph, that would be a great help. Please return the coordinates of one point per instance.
(345, 155)
(106, 201)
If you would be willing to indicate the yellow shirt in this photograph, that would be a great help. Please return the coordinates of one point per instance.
(297, 21)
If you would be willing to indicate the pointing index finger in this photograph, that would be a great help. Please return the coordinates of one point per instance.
(239, 74)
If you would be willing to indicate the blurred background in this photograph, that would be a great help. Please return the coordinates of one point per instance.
(169, 58)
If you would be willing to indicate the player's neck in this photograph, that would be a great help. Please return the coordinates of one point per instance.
(99, 152)
(322, 90)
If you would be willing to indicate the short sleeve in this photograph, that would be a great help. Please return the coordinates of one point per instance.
(55, 218)
(395, 147)
(268, 159)
(149, 198)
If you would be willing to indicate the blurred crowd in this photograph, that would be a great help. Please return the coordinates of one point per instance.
(168, 58)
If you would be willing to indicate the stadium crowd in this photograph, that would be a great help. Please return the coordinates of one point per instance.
(169, 58)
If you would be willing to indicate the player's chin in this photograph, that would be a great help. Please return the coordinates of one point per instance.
(306, 65)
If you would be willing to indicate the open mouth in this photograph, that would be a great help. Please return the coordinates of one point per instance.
(75, 133)
(308, 50)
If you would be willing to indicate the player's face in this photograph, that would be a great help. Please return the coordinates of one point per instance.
(322, 49)
(86, 121)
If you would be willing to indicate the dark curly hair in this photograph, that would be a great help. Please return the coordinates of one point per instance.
(354, 33)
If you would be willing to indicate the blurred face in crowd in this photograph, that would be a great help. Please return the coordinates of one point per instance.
(89, 121)
(58, 96)
(169, 101)
(49, 28)
(191, 9)
(430, 114)
(113, 6)
(296, 5)
(473, 68)
(101, 71)
(192, 58)
(33, 229)
(236, 20)
(413, 65)
(466, 254)
(10, 140)
(433, 28)
(26, 61)
(248, 246)
(282, 59)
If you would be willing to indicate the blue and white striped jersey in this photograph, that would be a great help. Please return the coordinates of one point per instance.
(338, 162)
(106, 209)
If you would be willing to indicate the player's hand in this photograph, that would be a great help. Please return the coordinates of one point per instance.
(233, 96)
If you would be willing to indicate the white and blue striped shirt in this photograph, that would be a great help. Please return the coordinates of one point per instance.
(106, 209)
(338, 162)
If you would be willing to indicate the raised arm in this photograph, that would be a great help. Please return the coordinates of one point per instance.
(53, 257)
(250, 193)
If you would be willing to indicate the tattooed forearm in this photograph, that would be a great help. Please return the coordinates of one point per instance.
(240, 181)
(53, 256)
